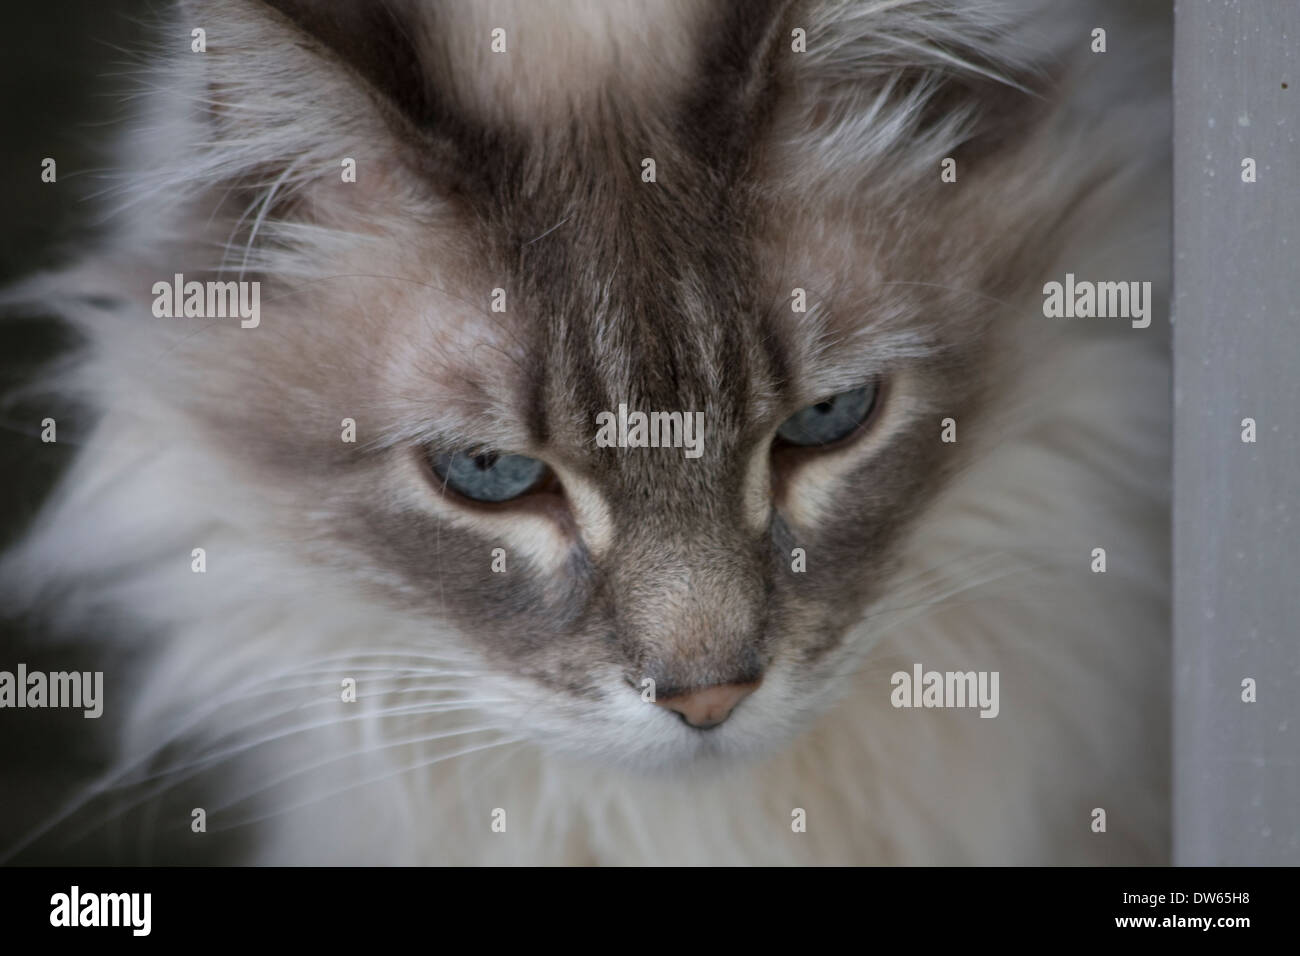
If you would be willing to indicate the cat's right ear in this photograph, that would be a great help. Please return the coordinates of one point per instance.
(301, 92)
(381, 43)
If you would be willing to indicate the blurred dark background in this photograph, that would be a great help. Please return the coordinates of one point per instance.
(66, 79)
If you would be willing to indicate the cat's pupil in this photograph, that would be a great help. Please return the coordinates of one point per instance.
(825, 406)
(486, 461)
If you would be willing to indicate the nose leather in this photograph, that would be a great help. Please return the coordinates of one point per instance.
(707, 707)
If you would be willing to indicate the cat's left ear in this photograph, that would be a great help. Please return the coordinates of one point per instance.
(886, 91)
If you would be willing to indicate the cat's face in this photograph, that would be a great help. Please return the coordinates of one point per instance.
(502, 272)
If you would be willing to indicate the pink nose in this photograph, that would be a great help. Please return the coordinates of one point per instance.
(709, 706)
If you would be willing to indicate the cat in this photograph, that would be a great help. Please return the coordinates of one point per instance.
(373, 593)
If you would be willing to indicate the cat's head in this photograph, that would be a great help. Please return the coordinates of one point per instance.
(736, 213)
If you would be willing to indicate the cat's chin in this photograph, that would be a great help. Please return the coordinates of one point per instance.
(706, 753)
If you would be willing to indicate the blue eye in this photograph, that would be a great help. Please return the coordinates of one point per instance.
(830, 420)
(488, 476)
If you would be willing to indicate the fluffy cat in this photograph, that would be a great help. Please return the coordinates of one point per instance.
(504, 268)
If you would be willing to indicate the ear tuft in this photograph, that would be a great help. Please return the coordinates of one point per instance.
(908, 82)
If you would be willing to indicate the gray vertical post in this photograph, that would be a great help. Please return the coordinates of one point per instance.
(1236, 505)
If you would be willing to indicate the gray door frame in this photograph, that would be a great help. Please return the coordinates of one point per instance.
(1236, 513)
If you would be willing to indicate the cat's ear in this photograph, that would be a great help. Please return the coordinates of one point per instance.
(895, 88)
(290, 97)
(381, 43)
